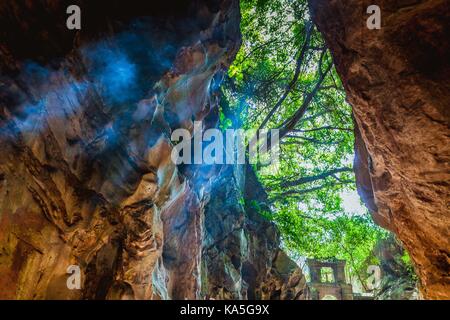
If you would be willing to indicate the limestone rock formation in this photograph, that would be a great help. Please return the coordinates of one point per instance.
(398, 281)
(86, 176)
(398, 81)
(241, 256)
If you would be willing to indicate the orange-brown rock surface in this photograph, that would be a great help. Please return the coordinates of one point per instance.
(398, 81)
(86, 176)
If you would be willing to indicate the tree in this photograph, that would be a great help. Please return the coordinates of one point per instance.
(283, 77)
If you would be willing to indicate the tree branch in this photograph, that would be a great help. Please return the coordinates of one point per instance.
(323, 128)
(294, 79)
(312, 140)
(321, 176)
(298, 193)
(290, 124)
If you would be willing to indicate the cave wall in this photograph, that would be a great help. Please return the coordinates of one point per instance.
(241, 257)
(397, 80)
(398, 280)
(86, 176)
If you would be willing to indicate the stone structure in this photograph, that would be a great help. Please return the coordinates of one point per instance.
(328, 280)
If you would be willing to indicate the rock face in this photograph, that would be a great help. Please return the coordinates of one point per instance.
(86, 176)
(241, 256)
(398, 281)
(398, 81)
